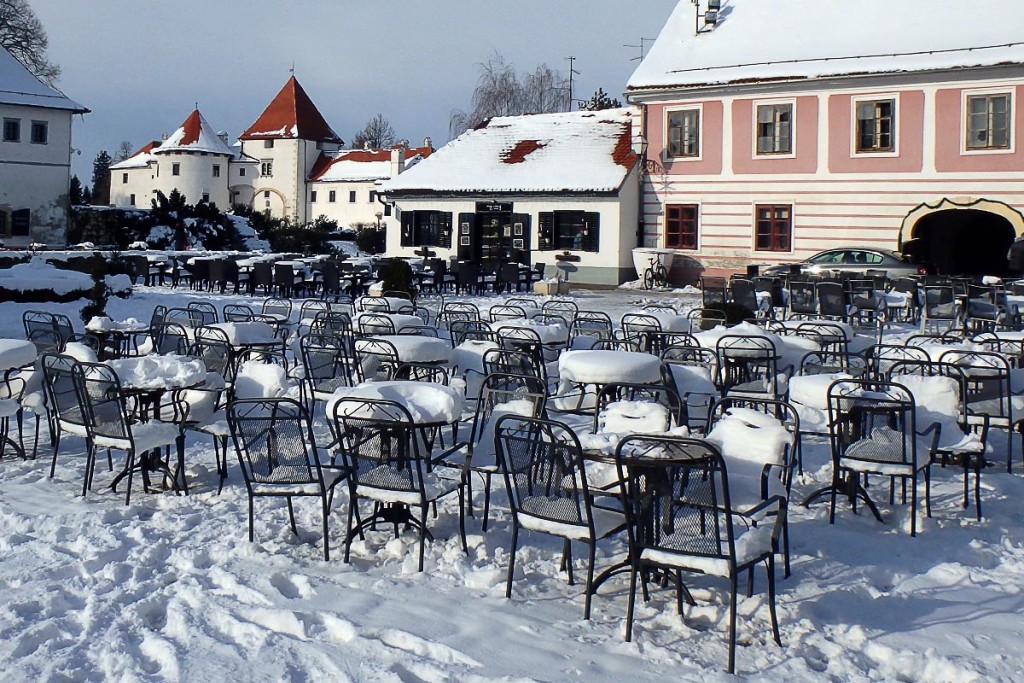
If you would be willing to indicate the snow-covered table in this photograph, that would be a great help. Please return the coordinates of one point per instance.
(469, 355)
(158, 373)
(670, 322)
(414, 348)
(374, 304)
(549, 333)
(400, 321)
(248, 334)
(590, 366)
(428, 403)
(16, 353)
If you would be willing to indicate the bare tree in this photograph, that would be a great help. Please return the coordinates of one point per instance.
(376, 134)
(22, 34)
(501, 91)
(124, 150)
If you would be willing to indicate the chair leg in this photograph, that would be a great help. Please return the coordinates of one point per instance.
(90, 457)
(632, 601)
(567, 560)
(588, 591)
(771, 600)
(913, 506)
(732, 623)
(462, 522)
(352, 501)
(131, 472)
(252, 531)
(55, 437)
(487, 499)
(512, 559)
(423, 535)
(325, 508)
(291, 515)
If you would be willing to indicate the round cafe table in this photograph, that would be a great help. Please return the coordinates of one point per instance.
(595, 368)
(413, 348)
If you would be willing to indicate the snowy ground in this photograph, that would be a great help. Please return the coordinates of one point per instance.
(170, 589)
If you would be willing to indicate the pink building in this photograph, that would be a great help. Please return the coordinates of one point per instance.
(779, 128)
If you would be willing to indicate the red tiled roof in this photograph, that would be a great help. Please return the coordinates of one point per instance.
(324, 161)
(291, 114)
(520, 151)
(147, 148)
(623, 153)
(192, 128)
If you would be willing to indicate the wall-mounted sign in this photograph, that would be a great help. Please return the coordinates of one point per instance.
(494, 207)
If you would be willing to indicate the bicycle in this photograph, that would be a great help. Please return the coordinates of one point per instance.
(655, 274)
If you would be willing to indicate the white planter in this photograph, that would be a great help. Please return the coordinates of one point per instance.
(551, 288)
(642, 258)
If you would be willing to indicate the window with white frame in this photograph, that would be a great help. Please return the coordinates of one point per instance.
(267, 168)
(988, 121)
(775, 128)
(683, 139)
(876, 125)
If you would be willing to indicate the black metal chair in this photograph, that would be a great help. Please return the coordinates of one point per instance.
(380, 443)
(681, 519)
(328, 364)
(278, 457)
(104, 408)
(377, 359)
(542, 463)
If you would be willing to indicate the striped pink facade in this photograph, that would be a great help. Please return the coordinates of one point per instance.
(838, 196)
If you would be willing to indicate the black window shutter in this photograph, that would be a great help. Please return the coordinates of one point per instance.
(20, 221)
(465, 252)
(444, 238)
(592, 238)
(408, 224)
(546, 236)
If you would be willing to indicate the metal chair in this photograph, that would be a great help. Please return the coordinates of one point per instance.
(681, 519)
(542, 463)
(278, 457)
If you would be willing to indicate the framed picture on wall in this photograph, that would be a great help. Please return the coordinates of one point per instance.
(464, 229)
(518, 227)
(517, 244)
(507, 232)
(464, 241)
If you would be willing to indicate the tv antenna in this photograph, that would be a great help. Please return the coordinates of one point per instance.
(642, 47)
(572, 72)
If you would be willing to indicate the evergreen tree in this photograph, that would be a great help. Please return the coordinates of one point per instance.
(75, 191)
(86, 196)
(599, 101)
(101, 179)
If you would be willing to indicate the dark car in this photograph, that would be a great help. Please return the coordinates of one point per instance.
(857, 260)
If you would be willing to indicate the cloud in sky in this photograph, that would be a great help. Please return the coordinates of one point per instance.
(141, 65)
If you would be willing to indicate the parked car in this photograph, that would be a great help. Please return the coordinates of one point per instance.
(854, 260)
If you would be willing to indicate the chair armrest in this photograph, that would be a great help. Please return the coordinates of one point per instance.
(937, 429)
(444, 457)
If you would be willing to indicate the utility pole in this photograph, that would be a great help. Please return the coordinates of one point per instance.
(572, 71)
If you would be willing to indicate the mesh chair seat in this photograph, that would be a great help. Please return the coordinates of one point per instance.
(537, 513)
(147, 436)
(996, 408)
(882, 453)
(751, 545)
(388, 485)
(332, 475)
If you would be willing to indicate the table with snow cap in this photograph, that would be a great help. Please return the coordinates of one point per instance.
(596, 368)
(148, 379)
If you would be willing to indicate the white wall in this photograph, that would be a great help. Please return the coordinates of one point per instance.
(362, 210)
(37, 176)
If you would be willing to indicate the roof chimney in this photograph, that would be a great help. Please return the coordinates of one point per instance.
(398, 158)
(366, 144)
(428, 143)
(223, 135)
(163, 137)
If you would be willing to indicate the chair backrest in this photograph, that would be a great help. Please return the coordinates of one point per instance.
(503, 393)
(595, 324)
(713, 291)
(671, 414)
(59, 388)
(706, 318)
(273, 441)
(277, 307)
(102, 402)
(171, 338)
(501, 360)
(567, 309)
(872, 420)
(238, 313)
(327, 358)
(375, 304)
(214, 349)
(206, 312)
(543, 466)
(463, 330)
(378, 358)
(41, 329)
(312, 308)
(744, 293)
(783, 411)
(637, 325)
(506, 312)
(882, 356)
(803, 299)
(831, 299)
(377, 440)
(988, 375)
(745, 358)
(371, 324)
(262, 275)
(333, 322)
(521, 339)
(415, 371)
(828, 362)
(522, 302)
(676, 497)
(939, 303)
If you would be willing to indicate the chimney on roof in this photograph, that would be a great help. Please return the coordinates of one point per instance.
(163, 137)
(223, 135)
(398, 158)
(366, 144)
(428, 143)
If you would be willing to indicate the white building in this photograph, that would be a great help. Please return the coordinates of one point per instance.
(195, 160)
(35, 157)
(344, 186)
(527, 188)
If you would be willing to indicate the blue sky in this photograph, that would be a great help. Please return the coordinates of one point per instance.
(141, 65)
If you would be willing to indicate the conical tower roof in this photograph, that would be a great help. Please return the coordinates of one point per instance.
(195, 135)
(291, 115)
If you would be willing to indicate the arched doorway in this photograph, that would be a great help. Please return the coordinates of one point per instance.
(970, 237)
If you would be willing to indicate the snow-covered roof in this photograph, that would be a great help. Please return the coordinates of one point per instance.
(795, 39)
(567, 152)
(291, 114)
(362, 164)
(195, 135)
(140, 159)
(19, 86)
